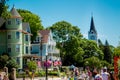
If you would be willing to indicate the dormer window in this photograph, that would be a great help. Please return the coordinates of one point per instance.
(17, 21)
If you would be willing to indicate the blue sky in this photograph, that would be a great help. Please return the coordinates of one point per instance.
(106, 15)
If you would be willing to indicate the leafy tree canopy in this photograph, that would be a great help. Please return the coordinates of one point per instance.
(63, 30)
(93, 62)
(32, 65)
(67, 37)
(91, 49)
(34, 21)
(3, 9)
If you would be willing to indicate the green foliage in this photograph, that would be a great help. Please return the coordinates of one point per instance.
(116, 51)
(100, 44)
(11, 63)
(105, 63)
(32, 65)
(21, 75)
(3, 9)
(107, 53)
(3, 60)
(41, 73)
(67, 37)
(53, 73)
(91, 49)
(92, 62)
(73, 50)
(63, 28)
(34, 21)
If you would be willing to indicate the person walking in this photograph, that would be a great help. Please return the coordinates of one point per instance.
(0, 77)
(105, 74)
(76, 73)
(97, 75)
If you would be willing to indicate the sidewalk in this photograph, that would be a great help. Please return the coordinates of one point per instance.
(43, 78)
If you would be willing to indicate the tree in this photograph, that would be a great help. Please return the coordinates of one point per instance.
(32, 66)
(107, 52)
(34, 21)
(11, 63)
(92, 62)
(100, 44)
(91, 49)
(67, 37)
(74, 52)
(105, 63)
(62, 31)
(117, 51)
(3, 9)
(3, 60)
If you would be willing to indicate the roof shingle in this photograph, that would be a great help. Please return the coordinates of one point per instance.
(45, 35)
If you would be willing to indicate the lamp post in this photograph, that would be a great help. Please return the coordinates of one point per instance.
(41, 49)
(46, 70)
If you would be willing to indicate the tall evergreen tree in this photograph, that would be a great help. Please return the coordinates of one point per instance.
(100, 44)
(107, 52)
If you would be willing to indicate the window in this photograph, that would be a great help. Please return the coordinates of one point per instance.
(9, 22)
(26, 37)
(9, 49)
(17, 21)
(37, 39)
(27, 49)
(17, 35)
(18, 60)
(17, 48)
(9, 36)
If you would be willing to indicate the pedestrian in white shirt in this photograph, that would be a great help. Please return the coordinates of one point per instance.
(105, 74)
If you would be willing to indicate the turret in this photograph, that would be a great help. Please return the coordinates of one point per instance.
(15, 21)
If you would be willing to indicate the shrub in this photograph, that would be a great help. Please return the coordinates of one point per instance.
(40, 73)
(53, 73)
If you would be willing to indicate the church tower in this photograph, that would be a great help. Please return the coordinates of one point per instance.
(92, 33)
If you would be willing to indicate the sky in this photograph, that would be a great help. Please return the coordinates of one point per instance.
(106, 14)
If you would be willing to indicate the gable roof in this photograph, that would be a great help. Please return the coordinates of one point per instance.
(26, 27)
(45, 35)
(14, 13)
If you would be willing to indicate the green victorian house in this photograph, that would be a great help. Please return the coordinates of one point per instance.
(15, 37)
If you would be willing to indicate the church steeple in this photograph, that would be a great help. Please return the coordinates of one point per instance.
(92, 33)
(92, 26)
